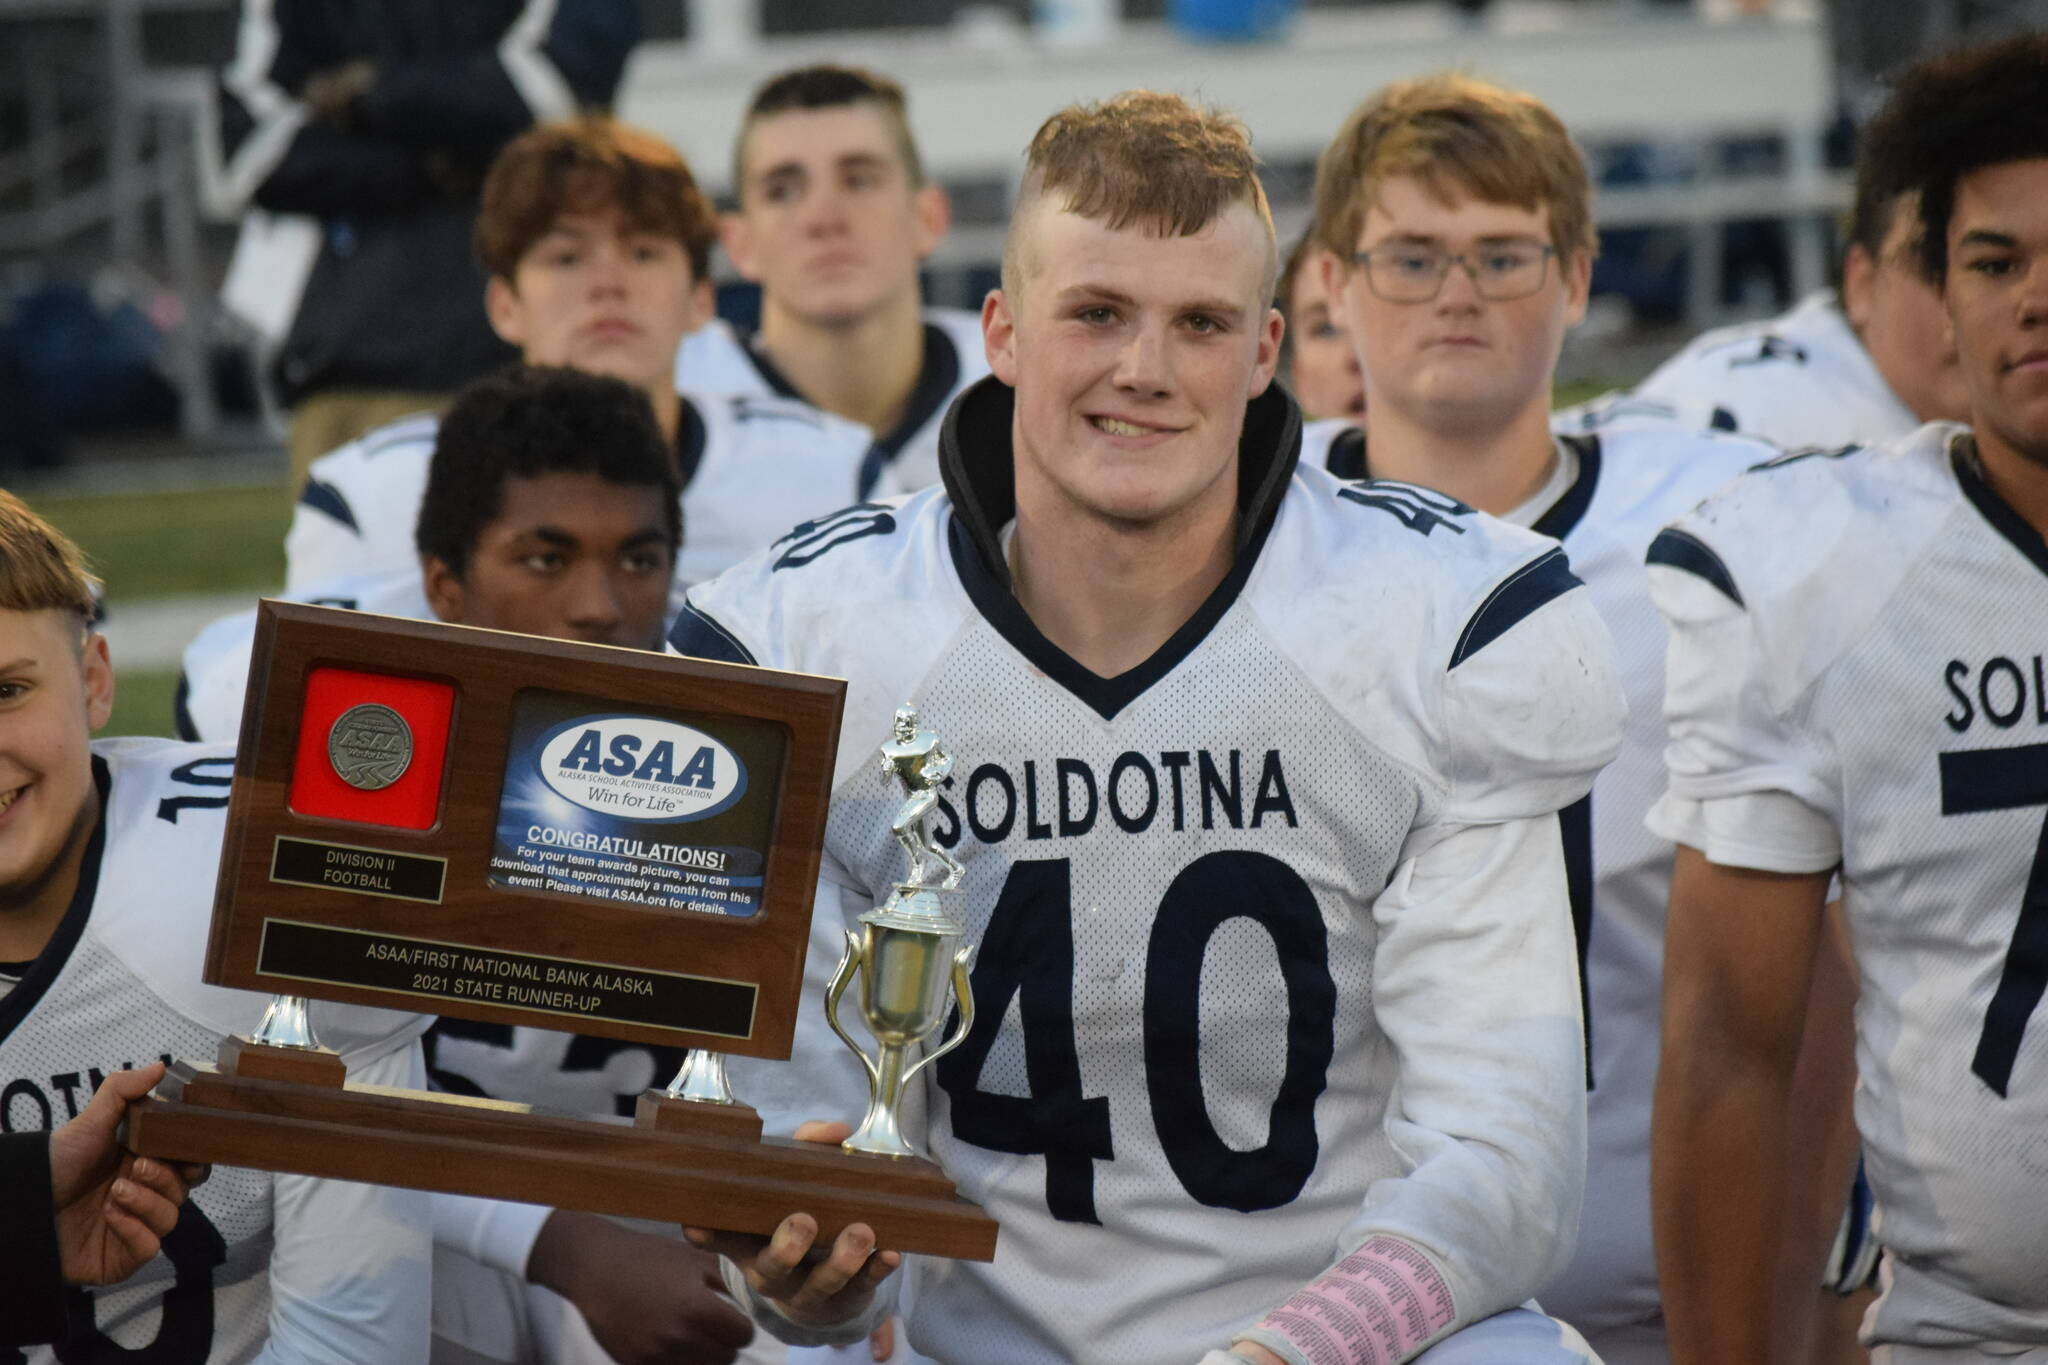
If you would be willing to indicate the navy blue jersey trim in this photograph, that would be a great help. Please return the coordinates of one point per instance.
(937, 374)
(1346, 456)
(1995, 509)
(181, 710)
(327, 499)
(1683, 550)
(691, 438)
(49, 963)
(1569, 510)
(977, 465)
(1526, 589)
(700, 637)
(1106, 696)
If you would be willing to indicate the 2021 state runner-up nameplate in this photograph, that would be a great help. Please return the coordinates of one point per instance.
(533, 832)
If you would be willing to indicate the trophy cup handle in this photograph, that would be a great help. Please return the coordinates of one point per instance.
(963, 991)
(842, 977)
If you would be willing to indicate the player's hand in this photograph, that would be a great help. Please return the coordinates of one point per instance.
(813, 1285)
(1255, 1354)
(113, 1208)
(649, 1300)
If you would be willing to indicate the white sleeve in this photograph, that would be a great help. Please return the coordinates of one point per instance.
(1526, 719)
(216, 680)
(1476, 985)
(1748, 783)
(351, 1274)
(319, 546)
(496, 1232)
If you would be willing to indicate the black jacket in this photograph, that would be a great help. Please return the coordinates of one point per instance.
(395, 296)
(32, 1306)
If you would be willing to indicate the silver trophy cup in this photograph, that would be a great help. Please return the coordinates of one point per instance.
(905, 952)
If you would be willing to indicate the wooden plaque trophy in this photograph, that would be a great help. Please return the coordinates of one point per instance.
(532, 831)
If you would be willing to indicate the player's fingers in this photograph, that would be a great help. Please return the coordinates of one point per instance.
(882, 1341)
(103, 1110)
(742, 1247)
(194, 1174)
(777, 1264)
(818, 1130)
(139, 1232)
(848, 1258)
(154, 1202)
(168, 1181)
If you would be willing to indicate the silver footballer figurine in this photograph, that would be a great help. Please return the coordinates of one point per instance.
(904, 952)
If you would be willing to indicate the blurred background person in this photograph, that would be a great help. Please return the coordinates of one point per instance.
(359, 131)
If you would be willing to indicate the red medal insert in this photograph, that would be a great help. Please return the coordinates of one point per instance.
(372, 748)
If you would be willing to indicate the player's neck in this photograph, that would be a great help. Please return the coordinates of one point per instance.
(1494, 467)
(1110, 594)
(2021, 481)
(30, 915)
(865, 370)
(668, 409)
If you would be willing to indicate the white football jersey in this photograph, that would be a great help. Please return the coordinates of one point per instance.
(753, 463)
(260, 1266)
(717, 357)
(1629, 480)
(1801, 379)
(1275, 951)
(1856, 678)
(208, 704)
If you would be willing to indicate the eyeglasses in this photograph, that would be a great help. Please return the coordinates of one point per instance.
(1416, 274)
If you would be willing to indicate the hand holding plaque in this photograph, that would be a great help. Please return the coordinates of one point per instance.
(628, 848)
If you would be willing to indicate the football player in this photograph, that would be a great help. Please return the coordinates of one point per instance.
(835, 215)
(1276, 1052)
(108, 853)
(1866, 361)
(596, 238)
(1315, 351)
(549, 509)
(1854, 690)
(1456, 220)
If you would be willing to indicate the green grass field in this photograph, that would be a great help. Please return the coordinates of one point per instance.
(164, 544)
(142, 702)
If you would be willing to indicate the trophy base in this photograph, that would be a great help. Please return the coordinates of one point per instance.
(666, 1113)
(267, 1062)
(496, 1150)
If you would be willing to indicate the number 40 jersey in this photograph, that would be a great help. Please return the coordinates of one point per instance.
(1856, 678)
(1275, 952)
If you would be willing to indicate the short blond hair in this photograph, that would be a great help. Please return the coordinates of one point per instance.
(1142, 157)
(1453, 133)
(40, 568)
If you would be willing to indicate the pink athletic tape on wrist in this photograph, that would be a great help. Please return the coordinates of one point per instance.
(1376, 1306)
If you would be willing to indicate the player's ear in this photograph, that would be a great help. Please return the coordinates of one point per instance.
(703, 303)
(934, 218)
(98, 670)
(444, 588)
(1578, 285)
(506, 311)
(737, 238)
(999, 336)
(1859, 269)
(1271, 331)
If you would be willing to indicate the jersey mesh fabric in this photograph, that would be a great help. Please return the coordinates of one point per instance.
(1235, 718)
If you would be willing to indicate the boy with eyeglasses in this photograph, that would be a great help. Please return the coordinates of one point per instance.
(1457, 220)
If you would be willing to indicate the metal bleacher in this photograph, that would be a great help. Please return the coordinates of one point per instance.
(1615, 72)
(1618, 71)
